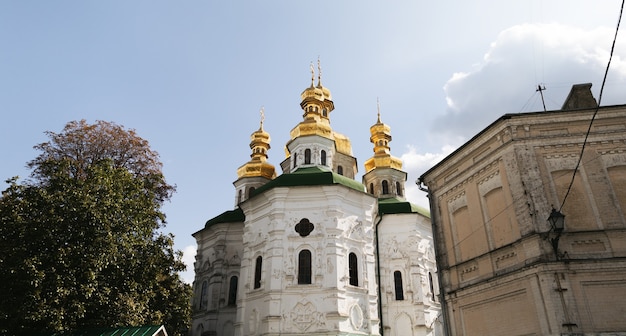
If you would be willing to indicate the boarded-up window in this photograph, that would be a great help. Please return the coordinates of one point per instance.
(498, 218)
(617, 175)
(462, 225)
(577, 208)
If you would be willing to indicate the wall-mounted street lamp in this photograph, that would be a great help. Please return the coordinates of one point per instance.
(557, 224)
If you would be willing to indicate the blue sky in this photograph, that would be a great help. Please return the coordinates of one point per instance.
(191, 76)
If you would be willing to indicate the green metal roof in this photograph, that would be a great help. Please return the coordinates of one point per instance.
(310, 176)
(121, 331)
(396, 205)
(230, 216)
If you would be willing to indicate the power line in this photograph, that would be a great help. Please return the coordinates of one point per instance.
(606, 72)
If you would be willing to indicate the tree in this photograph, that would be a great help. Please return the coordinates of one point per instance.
(80, 242)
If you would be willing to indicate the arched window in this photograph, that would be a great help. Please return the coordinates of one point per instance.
(397, 282)
(232, 291)
(323, 157)
(385, 187)
(340, 170)
(307, 156)
(250, 191)
(204, 296)
(257, 272)
(295, 160)
(398, 189)
(432, 286)
(353, 269)
(239, 196)
(324, 113)
(304, 267)
(372, 188)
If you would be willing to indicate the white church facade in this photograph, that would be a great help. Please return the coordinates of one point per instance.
(312, 251)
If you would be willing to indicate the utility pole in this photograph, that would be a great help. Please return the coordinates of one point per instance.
(541, 88)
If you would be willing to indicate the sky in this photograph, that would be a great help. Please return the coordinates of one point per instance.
(191, 76)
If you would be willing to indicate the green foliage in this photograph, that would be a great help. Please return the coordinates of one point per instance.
(84, 249)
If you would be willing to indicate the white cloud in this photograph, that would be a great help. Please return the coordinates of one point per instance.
(522, 57)
(189, 257)
(415, 164)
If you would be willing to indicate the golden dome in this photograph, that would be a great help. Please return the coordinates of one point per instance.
(380, 137)
(258, 165)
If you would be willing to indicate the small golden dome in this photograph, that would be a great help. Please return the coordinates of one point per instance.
(380, 137)
(258, 165)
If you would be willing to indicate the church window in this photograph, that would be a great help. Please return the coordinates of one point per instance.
(250, 191)
(385, 187)
(398, 188)
(323, 157)
(257, 272)
(397, 281)
(340, 170)
(432, 286)
(307, 156)
(204, 296)
(372, 188)
(304, 267)
(324, 112)
(232, 291)
(304, 227)
(353, 269)
(239, 196)
(295, 160)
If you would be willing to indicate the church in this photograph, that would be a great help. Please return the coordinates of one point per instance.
(313, 251)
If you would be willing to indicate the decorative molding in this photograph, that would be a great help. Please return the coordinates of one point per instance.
(304, 316)
(588, 245)
(356, 317)
(477, 174)
(469, 271)
(506, 259)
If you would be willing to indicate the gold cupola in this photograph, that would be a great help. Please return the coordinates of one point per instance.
(258, 165)
(313, 143)
(316, 102)
(383, 176)
(380, 137)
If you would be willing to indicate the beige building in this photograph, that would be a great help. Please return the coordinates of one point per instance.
(504, 269)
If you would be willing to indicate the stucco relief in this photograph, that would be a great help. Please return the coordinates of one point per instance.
(394, 250)
(253, 322)
(304, 316)
(355, 229)
(255, 238)
(235, 260)
(356, 317)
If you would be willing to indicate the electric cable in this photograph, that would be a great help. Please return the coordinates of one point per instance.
(593, 117)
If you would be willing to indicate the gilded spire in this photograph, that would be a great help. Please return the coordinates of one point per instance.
(262, 113)
(378, 108)
(319, 72)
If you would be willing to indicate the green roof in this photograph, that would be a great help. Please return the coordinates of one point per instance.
(310, 176)
(230, 216)
(396, 205)
(121, 331)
